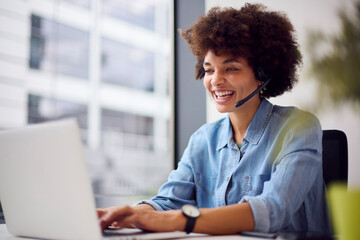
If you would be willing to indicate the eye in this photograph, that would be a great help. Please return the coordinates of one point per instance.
(207, 71)
(231, 69)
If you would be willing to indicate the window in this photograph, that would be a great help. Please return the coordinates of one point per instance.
(130, 157)
(127, 66)
(42, 109)
(82, 3)
(58, 48)
(126, 145)
(139, 12)
(126, 130)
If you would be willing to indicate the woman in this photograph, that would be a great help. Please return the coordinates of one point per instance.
(259, 168)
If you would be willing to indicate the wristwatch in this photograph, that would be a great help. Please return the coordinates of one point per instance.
(191, 213)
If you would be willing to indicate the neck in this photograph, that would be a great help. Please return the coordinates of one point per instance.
(241, 118)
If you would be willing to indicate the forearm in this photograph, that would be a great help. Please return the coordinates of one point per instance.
(225, 220)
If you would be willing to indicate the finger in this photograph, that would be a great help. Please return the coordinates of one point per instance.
(115, 225)
(100, 212)
(129, 221)
(115, 214)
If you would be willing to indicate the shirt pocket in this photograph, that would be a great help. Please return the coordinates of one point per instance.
(254, 185)
(206, 184)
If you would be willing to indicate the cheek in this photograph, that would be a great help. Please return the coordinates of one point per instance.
(206, 83)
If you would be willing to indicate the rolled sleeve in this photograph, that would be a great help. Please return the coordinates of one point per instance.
(260, 213)
(156, 206)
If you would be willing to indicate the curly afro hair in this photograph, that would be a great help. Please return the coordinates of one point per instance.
(265, 38)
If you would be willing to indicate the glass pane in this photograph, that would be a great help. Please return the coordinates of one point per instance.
(58, 48)
(42, 109)
(138, 12)
(129, 154)
(127, 131)
(82, 3)
(126, 122)
(127, 66)
(131, 162)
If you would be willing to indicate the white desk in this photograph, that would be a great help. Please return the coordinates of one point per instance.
(5, 235)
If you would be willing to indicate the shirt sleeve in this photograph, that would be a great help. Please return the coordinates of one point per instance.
(180, 187)
(296, 168)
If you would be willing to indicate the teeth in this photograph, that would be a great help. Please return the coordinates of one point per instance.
(223, 93)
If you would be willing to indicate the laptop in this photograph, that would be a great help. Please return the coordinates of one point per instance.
(45, 190)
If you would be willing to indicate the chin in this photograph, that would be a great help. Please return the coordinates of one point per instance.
(223, 110)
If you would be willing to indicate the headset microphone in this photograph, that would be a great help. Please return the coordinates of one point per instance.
(261, 76)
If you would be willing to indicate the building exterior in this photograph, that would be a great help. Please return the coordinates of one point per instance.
(108, 64)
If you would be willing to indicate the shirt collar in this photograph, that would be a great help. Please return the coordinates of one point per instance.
(226, 133)
(258, 123)
(255, 130)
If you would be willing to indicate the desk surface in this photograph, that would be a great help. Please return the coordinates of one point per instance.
(5, 235)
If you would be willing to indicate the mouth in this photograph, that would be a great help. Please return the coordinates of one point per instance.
(223, 96)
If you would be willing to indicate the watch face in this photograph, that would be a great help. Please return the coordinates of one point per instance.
(191, 211)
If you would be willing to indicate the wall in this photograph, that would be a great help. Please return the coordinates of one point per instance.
(189, 94)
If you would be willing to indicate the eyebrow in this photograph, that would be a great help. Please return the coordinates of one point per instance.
(231, 60)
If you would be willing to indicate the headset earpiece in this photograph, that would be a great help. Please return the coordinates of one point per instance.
(260, 76)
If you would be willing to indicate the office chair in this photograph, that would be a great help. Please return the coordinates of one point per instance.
(2, 219)
(335, 156)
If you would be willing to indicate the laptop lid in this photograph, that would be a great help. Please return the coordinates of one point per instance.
(45, 190)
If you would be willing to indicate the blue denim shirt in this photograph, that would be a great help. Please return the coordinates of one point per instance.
(278, 171)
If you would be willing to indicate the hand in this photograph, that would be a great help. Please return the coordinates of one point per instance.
(106, 218)
(138, 217)
(104, 211)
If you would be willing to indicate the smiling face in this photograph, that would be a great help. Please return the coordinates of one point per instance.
(229, 80)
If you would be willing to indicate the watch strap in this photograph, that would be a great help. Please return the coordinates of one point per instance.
(190, 224)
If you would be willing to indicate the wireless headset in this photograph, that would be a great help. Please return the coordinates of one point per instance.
(262, 77)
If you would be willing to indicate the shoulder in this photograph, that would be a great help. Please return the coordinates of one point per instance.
(296, 127)
(294, 117)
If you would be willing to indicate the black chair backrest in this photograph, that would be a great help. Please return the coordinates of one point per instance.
(335, 156)
(2, 219)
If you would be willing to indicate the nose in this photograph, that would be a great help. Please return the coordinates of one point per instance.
(217, 79)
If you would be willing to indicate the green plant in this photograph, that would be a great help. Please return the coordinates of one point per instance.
(336, 60)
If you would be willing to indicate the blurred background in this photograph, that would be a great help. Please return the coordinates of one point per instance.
(110, 64)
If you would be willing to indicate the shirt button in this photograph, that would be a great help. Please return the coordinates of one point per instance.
(243, 153)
